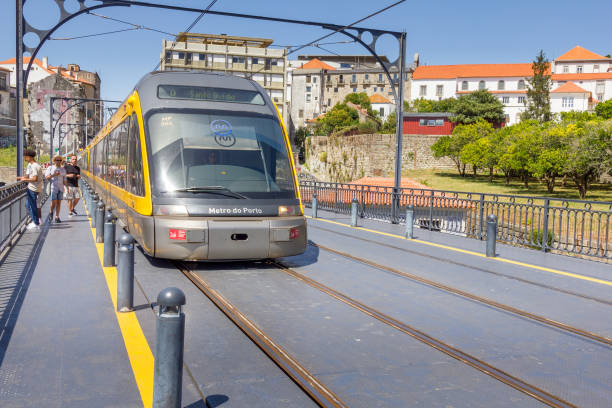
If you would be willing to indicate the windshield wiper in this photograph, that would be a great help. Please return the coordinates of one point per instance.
(211, 190)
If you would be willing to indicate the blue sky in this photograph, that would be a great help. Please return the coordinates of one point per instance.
(441, 31)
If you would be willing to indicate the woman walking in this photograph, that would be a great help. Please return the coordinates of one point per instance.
(55, 174)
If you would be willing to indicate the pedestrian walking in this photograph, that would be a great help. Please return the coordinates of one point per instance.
(55, 174)
(34, 178)
(73, 174)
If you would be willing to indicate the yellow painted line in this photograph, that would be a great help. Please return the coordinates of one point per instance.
(139, 352)
(465, 251)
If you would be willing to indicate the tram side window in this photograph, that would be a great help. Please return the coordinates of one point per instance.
(111, 142)
(121, 155)
(135, 174)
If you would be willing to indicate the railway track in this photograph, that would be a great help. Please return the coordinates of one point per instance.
(319, 393)
(480, 269)
(540, 319)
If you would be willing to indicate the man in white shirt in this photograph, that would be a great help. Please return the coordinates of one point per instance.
(55, 174)
(34, 178)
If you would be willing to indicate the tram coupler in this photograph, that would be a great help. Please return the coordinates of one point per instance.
(109, 239)
(314, 205)
(354, 208)
(125, 273)
(409, 222)
(491, 234)
(170, 337)
(100, 222)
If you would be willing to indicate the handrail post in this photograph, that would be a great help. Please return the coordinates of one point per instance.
(545, 225)
(431, 204)
(362, 203)
(481, 217)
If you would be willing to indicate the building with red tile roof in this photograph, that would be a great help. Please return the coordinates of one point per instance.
(587, 70)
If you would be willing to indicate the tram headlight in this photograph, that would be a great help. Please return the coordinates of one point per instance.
(170, 210)
(285, 210)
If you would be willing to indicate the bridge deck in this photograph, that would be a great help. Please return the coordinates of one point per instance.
(62, 344)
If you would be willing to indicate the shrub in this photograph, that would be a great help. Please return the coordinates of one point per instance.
(323, 157)
(537, 237)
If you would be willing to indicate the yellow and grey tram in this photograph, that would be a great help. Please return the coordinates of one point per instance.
(198, 166)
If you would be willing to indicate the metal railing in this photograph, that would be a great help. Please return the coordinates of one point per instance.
(13, 213)
(548, 224)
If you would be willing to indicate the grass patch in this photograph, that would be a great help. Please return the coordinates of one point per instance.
(8, 157)
(448, 180)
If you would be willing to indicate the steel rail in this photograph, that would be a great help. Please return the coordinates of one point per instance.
(476, 268)
(315, 389)
(500, 375)
(489, 302)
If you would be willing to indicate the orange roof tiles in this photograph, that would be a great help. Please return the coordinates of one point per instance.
(377, 98)
(472, 71)
(579, 53)
(570, 87)
(26, 60)
(317, 64)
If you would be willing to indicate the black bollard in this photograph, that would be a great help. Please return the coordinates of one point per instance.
(100, 222)
(170, 336)
(410, 222)
(125, 273)
(109, 239)
(354, 207)
(491, 234)
(314, 205)
(92, 209)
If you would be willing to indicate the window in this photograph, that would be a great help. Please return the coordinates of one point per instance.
(521, 84)
(255, 61)
(308, 88)
(579, 69)
(354, 89)
(345, 65)
(501, 85)
(340, 79)
(314, 79)
(268, 63)
(380, 78)
(168, 56)
(301, 113)
(599, 87)
(431, 122)
(567, 102)
(422, 122)
(521, 99)
(353, 78)
(382, 89)
(335, 89)
(307, 97)
(308, 79)
(238, 60)
(135, 175)
(423, 90)
(375, 89)
(481, 85)
(596, 68)
(439, 122)
(439, 90)
(565, 69)
(188, 57)
(202, 57)
(367, 77)
(328, 101)
(464, 86)
(328, 78)
(181, 55)
(381, 112)
(506, 99)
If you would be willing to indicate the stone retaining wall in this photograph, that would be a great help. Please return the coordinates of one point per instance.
(8, 174)
(345, 158)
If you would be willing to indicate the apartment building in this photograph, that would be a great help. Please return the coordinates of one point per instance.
(245, 57)
(323, 81)
(580, 80)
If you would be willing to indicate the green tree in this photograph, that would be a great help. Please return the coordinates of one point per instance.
(589, 152)
(300, 138)
(604, 109)
(521, 149)
(451, 146)
(339, 117)
(550, 154)
(477, 152)
(426, 105)
(390, 124)
(478, 105)
(362, 99)
(538, 91)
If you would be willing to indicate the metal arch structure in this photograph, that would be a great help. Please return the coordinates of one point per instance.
(53, 126)
(361, 32)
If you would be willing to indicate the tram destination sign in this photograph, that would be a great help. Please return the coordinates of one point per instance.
(203, 93)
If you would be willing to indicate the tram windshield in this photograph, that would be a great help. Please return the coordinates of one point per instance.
(219, 154)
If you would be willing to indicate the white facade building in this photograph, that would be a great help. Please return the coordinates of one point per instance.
(589, 73)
